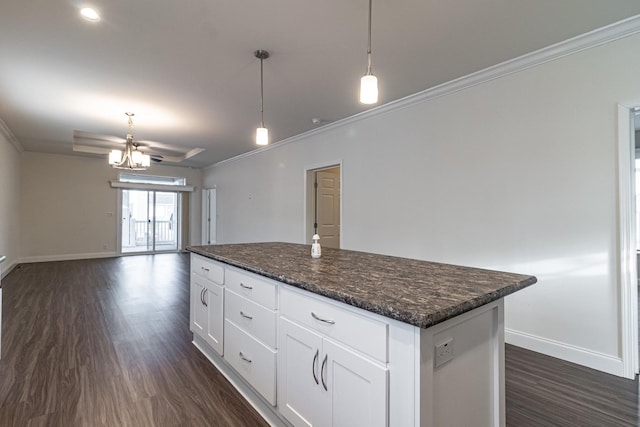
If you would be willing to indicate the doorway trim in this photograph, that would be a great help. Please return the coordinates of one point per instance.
(627, 251)
(306, 233)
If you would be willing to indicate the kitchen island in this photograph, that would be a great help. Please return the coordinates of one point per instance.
(353, 338)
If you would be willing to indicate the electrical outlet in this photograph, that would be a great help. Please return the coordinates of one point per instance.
(444, 352)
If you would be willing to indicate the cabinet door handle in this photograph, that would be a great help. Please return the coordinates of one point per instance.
(315, 316)
(204, 292)
(242, 356)
(202, 296)
(242, 285)
(324, 363)
(245, 316)
(313, 366)
(205, 269)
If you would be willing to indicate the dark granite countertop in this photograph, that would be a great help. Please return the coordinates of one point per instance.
(420, 293)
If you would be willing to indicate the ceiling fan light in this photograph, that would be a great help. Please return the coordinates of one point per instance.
(131, 158)
(115, 157)
(368, 89)
(136, 157)
(262, 136)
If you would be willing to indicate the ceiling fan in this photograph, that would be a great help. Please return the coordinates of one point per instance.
(129, 153)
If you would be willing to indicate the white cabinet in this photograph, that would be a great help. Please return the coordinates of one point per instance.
(324, 382)
(206, 314)
(250, 326)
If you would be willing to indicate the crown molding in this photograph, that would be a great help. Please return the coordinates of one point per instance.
(4, 130)
(598, 37)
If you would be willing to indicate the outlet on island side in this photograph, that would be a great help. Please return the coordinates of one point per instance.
(444, 352)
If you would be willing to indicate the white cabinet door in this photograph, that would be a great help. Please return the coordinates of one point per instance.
(213, 300)
(198, 308)
(206, 311)
(301, 399)
(357, 388)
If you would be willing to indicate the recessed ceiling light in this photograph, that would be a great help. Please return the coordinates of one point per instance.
(89, 14)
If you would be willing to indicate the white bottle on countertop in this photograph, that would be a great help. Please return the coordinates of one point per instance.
(316, 250)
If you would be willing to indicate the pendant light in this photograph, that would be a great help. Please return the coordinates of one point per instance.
(262, 133)
(369, 82)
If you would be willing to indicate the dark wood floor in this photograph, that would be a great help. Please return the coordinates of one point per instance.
(107, 343)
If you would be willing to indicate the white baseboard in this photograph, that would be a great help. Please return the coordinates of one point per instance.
(581, 356)
(6, 269)
(67, 257)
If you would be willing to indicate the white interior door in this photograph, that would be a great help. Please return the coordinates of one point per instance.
(208, 216)
(328, 207)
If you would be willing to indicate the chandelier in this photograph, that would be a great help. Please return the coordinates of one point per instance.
(131, 158)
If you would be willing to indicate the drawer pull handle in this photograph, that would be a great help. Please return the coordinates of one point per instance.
(205, 269)
(324, 363)
(245, 316)
(244, 358)
(242, 285)
(313, 366)
(315, 316)
(204, 292)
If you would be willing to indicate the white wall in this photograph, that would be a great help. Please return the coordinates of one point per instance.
(65, 204)
(518, 173)
(9, 202)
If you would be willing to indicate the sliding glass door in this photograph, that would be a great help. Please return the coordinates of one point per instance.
(150, 221)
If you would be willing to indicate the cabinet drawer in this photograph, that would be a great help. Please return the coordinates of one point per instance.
(253, 287)
(251, 359)
(207, 268)
(254, 319)
(362, 333)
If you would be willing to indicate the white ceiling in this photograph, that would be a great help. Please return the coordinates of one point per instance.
(186, 68)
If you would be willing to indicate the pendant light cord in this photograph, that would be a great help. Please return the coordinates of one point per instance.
(369, 45)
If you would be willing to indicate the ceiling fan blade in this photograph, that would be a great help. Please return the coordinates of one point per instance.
(88, 137)
(96, 143)
(156, 144)
(90, 149)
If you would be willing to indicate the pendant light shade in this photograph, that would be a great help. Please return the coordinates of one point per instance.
(262, 136)
(369, 89)
(262, 133)
(369, 82)
(115, 156)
